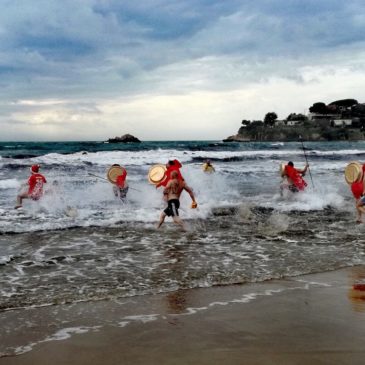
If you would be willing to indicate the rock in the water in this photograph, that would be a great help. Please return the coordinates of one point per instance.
(127, 138)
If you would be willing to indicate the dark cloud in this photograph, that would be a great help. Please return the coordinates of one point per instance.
(83, 51)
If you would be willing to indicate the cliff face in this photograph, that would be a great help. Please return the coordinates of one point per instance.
(293, 133)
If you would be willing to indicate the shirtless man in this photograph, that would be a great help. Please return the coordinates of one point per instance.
(172, 194)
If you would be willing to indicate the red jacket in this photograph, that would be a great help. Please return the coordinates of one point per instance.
(295, 177)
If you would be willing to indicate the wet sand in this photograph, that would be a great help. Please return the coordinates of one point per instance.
(311, 319)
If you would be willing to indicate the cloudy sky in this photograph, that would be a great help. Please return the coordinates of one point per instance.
(171, 69)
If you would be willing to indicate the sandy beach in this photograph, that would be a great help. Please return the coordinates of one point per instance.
(311, 319)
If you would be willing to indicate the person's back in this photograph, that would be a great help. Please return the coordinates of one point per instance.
(294, 176)
(35, 183)
(35, 187)
(172, 192)
(174, 188)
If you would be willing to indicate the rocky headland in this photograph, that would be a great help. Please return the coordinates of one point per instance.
(341, 120)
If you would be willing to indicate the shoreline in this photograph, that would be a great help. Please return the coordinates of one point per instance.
(314, 318)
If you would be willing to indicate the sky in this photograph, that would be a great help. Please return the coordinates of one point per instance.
(171, 69)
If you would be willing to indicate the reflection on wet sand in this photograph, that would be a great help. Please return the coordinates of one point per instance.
(356, 292)
(176, 300)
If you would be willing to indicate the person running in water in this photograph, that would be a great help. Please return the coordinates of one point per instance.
(295, 181)
(208, 167)
(121, 188)
(358, 191)
(172, 165)
(35, 187)
(172, 194)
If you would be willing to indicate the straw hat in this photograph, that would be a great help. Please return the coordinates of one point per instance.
(353, 172)
(114, 172)
(156, 174)
(282, 169)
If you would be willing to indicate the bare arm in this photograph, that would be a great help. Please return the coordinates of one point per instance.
(303, 171)
(186, 188)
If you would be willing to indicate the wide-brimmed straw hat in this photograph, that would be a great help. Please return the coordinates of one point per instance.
(353, 172)
(282, 168)
(115, 171)
(156, 174)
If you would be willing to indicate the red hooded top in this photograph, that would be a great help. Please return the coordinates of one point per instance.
(295, 177)
(176, 167)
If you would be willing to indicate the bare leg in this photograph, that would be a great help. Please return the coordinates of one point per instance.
(177, 220)
(162, 219)
(19, 200)
(360, 210)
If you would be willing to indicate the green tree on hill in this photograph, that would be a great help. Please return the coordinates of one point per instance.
(320, 108)
(270, 118)
(347, 103)
(295, 116)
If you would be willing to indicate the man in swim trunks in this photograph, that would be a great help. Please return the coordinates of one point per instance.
(172, 194)
(35, 190)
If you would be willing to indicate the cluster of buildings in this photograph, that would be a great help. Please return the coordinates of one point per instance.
(342, 113)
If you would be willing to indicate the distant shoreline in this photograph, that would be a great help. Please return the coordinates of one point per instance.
(295, 133)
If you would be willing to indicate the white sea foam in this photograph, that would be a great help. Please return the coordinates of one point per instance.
(149, 157)
(9, 184)
(83, 200)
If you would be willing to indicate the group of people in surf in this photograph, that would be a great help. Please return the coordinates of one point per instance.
(172, 182)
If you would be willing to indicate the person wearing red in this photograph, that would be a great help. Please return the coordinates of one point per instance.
(35, 187)
(358, 191)
(173, 191)
(120, 188)
(296, 182)
(172, 165)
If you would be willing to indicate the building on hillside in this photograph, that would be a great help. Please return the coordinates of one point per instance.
(279, 122)
(294, 122)
(341, 122)
(319, 116)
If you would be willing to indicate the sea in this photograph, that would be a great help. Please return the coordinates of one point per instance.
(80, 243)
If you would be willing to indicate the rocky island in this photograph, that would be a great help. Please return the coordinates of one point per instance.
(126, 138)
(342, 120)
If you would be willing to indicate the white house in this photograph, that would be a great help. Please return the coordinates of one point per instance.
(293, 122)
(341, 122)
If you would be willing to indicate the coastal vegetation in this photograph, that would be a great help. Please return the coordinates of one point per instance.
(339, 120)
